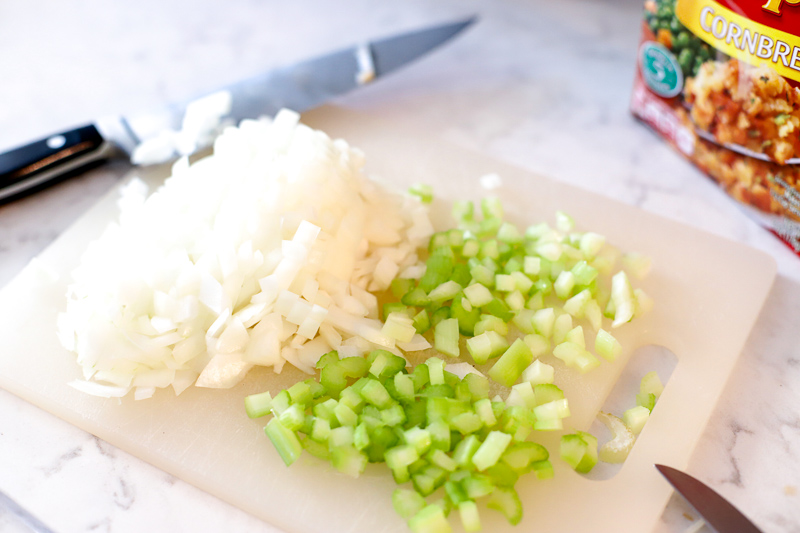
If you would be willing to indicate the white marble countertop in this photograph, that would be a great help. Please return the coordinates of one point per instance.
(531, 83)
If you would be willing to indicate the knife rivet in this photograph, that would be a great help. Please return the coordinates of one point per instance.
(56, 141)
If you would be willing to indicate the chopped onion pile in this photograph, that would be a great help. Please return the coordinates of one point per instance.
(264, 252)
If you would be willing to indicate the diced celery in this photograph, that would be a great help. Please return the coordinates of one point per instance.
(576, 305)
(465, 449)
(622, 299)
(440, 435)
(394, 307)
(515, 301)
(478, 295)
(589, 459)
(280, 402)
(521, 455)
(348, 460)
(564, 284)
(466, 315)
(438, 269)
(419, 438)
(635, 418)
(553, 409)
(561, 326)
(591, 243)
(423, 191)
(478, 386)
(435, 370)
(512, 363)
(446, 337)
(258, 405)
(285, 441)
(538, 344)
(394, 415)
(466, 423)
(509, 233)
(361, 436)
(404, 386)
(293, 418)
(546, 393)
(471, 248)
(445, 291)
(300, 392)
(416, 297)
(407, 502)
(470, 519)
(422, 322)
(575, 336)
(317, 449)
(575, 356)
(376, 394)
(430, 519)
(542, 469)
(522, 394)
(492, 207)
(477, 486)
(490, 450)
(647, 400)
(532, 265)
(345, 415)
(483, 408)
(606, 345)
(442, 460)
(401, 286)
(651, 383)
(482, 274)
(401, 456)
(506, 500)
(543, 321)
(490, 323)
(341, 436)
(573, 449)
(538, 373)
(499, 309)
(535, 302)
(504, 283)
(320, 430)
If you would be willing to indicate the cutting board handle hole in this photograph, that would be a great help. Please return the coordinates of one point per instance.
(622, 397)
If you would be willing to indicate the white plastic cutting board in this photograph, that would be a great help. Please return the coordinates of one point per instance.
(708, 293)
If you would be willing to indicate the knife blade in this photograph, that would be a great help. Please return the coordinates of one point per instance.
(300, 87)
(718, 512)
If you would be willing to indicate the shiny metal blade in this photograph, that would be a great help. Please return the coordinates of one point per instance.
(715, 510)
(301, 86)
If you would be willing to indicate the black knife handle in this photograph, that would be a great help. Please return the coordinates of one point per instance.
(47, 160)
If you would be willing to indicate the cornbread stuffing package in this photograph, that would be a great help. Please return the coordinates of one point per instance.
(720, 80)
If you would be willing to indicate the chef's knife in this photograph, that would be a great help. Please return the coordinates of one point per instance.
(299, 87)
(715, 510)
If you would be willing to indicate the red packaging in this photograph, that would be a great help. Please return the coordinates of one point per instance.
(720, 80)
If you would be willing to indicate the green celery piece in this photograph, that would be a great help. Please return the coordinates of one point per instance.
(553, 409)
(446, 335)
(407, 502)
(521, 455)
(428, 479)
(382, 439)
(492, 207)
(423, 191)
(325, 409)
(538, 373)
(455, 492)
(416, 414)
(542, 469)
(441, 459)
(320, 430)
(461, 274)
(393, 307)
(285, 441)
(647, 400)
(572, 449)
(258, 405)
(293, 418)
(584, 273)
(466, 423)
(422, 322)
(489, 249)
(478, 386)
(502, 475)
(491, 323)
(430, 519)
(438, 240)
(511, 364)
(491, 450)
(334, 375)
(300, 392)
(470, 518)
(478, 486)
(328, 358)
(499, 309)
(483, 408)
(393, 415)
(401, 456)
(589, 459)
(478, 294)
(438, 269)
(341, 436)
(435, 370)
(482, 274)
(440, 435)
(546, 393)
(317, 390)
(281, 402)
(361, 437)
(606, 345)
(442, 390)
(317, 449)
(651, 383)
(442, 313)
(421, 377)
(463, 210)
(471, 248)
(386, 364)
(446, 291)
(516, 264)
(466, 319)
(465, 449)
(523, 319)
(635, 418)
(401, 286)
(416, 297)
(348, 460)
(509, 233)
(419, 438)
(376, 394)
(455, 238)
(404, 387)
